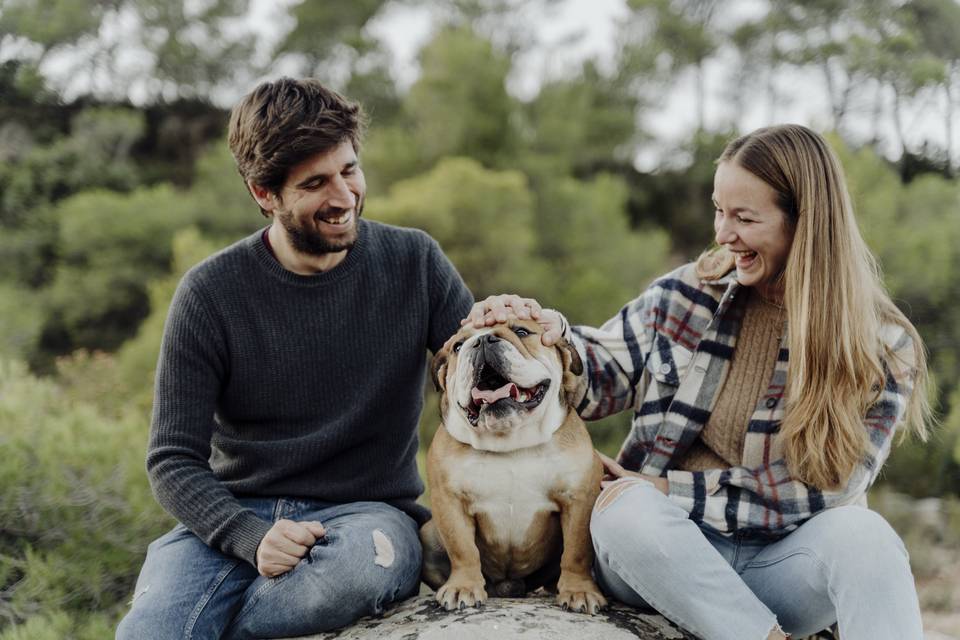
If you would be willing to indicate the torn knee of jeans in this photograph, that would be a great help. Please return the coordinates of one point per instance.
(383, 549)
(615, 490)
(777, 629)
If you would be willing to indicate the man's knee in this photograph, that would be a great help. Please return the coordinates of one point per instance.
(384, 554)
(362, 564)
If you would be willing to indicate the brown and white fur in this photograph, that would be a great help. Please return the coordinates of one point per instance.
(512, 472)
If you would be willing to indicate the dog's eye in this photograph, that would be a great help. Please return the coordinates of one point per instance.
(456, 346)
(521, 332)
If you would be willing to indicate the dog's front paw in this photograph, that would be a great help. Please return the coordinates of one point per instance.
(576, 593)
(461, 591)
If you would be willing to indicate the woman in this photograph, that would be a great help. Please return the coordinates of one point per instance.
(736, 505)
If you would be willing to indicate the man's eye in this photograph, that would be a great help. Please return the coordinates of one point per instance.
(456, 346)
(521, 332)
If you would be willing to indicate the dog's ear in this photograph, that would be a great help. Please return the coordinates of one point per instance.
(438, 369)
(571, 359)
(572, 369)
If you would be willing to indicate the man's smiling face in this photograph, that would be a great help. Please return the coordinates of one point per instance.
(321, 201)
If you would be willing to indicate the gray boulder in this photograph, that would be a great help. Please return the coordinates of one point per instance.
(533, 618)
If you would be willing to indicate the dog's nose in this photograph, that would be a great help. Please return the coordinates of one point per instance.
(491, 338)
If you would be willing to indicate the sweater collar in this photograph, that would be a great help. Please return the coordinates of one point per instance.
(348, 265)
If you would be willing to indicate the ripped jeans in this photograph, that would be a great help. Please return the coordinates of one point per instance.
(186, 590)
(843, 565)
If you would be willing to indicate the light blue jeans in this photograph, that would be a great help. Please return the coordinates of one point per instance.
(844, 565)
(186, 590)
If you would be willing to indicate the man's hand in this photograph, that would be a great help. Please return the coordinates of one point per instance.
(285, 544)
(495, 309)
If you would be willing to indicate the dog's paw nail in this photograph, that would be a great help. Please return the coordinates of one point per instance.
(463, 605)
(565, 606)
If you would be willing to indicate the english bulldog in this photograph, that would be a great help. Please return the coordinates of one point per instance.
(512, 472)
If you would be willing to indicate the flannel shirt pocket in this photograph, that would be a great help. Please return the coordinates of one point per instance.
(668, 361)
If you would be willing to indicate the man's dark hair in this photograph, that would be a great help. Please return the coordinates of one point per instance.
(282, 123)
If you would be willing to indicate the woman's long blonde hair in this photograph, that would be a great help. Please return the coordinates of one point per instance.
(836, 305)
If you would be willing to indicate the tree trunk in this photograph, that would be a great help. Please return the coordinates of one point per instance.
(898, 124)
(948, 120)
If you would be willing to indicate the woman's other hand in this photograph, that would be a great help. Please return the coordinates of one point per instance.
(495, 309)
(613, 472)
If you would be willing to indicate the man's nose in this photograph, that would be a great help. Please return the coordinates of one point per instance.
(341, 196)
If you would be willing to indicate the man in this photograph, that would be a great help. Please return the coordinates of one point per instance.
(288, 390)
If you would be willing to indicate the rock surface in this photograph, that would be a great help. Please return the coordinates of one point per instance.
(532, 618)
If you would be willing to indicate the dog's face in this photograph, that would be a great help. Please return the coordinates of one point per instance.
(502, 389)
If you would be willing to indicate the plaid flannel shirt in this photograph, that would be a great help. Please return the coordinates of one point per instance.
(666, 354)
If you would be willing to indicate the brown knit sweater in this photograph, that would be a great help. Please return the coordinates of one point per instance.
(720, 444)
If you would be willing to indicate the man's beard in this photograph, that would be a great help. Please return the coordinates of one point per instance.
(306, 240)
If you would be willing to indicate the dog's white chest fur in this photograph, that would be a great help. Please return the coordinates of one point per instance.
(511, 488)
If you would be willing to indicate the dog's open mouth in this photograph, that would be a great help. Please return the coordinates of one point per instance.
(491, 388)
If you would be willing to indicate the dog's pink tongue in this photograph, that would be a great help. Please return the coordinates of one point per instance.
(489, 396)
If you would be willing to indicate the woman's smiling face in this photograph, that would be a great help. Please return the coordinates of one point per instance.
(748, 221)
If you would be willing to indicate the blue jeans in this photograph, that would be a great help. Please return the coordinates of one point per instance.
(844, 565)
(188, 590)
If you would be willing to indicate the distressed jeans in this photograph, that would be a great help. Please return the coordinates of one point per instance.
(369, 557)
(844, 565)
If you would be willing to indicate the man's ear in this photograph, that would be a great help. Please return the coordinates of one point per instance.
(264, 197)
(572, 369)
(438, 369)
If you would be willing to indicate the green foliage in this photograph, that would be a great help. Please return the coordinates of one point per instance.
(95, 154)
(106, 246)
(51, 22)
(451, 117)
(482, 219)
(580, 123)
(110, 245)
(912, 230)
(123, 382)
(76, 508)
(21, 317)
(596, 261)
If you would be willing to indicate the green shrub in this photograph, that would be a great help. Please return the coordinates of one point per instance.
(75, 504)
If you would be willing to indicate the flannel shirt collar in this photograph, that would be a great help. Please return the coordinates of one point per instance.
(730, 287)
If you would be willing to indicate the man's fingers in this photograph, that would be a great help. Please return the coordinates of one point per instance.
(272, 569)
(495, 306)
(296, 532)
(315, 528)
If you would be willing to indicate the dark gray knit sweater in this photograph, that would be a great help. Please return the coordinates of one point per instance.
(275, 384)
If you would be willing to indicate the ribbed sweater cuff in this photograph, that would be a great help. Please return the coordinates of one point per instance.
(246, 532)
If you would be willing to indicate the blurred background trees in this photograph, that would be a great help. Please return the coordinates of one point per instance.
(115, 178)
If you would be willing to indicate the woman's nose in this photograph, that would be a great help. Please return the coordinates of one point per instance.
(724, 234)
